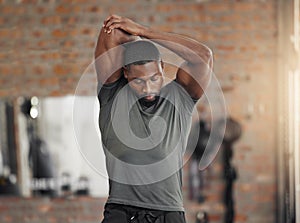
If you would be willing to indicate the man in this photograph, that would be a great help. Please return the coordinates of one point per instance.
(144, 122)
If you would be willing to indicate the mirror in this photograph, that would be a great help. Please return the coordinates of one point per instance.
(58, 151)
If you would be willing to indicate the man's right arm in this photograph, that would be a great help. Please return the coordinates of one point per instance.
(109, 55)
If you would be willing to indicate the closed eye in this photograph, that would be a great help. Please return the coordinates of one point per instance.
(138, 81)
(155, 77)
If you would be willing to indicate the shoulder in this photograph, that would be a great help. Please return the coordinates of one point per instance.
(175, 88)
(106, 92)
(178, 96)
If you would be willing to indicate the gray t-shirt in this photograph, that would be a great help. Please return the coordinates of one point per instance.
(144, 145)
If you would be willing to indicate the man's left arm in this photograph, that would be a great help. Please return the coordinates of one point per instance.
(194, 73)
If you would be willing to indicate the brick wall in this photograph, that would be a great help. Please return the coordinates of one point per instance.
(45, 46)
(45, 210)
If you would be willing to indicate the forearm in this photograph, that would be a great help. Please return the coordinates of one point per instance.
(189, 49)
(109, 54)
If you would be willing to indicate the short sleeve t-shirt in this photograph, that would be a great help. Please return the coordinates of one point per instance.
(144, 146)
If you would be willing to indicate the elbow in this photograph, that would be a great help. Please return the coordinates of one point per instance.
(204, 55)
(207, 56)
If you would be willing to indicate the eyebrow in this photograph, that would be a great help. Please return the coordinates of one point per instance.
(139, 78)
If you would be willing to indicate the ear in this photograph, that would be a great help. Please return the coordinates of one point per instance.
(125, 71)
(162, 64)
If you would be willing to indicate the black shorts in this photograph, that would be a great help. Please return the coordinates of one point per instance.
(117, 213)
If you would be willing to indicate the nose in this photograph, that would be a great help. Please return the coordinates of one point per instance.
(146, 88)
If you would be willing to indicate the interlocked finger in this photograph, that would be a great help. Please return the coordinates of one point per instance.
(111, 22)
(109, 19)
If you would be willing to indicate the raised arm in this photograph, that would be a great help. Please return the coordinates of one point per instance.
(109, 54)
(194, 73)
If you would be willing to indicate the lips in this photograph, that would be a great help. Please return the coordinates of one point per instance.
(149, 97)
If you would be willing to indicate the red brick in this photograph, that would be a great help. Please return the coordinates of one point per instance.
(54, 81)
(72, 20)
(51, 20)
(37, 33)
(215, 217)
(60, 69)
(192, 8)
(73, 1)
(52, 219)
(63, 9)
(29, 1)
(232, 18)
(76, 9)
(235, 36)
(41, 10)
(10, 33)
(263, 198)
(7, 219)
(116, 9)
(69, 44)
(178, 18)
(217, 8)
(71, 56)
(3, 208)
(59, 33)
(240, 218)
(7, 9)
(46, 44)
(95, 9)
(244, 7)
(51, 56)
(5, 69)
(226, 48)
(164, 8)
(3, 20)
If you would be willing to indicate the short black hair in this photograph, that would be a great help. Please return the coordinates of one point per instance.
(140, 52)
(140, 62)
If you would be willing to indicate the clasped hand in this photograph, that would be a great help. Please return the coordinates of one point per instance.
(117, 22)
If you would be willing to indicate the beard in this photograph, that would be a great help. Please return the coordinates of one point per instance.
(147, 102)
(149, 97)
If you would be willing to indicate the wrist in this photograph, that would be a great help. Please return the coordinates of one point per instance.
(144, 31)
(117, 37)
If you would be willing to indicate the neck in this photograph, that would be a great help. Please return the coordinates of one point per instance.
(146, 103)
